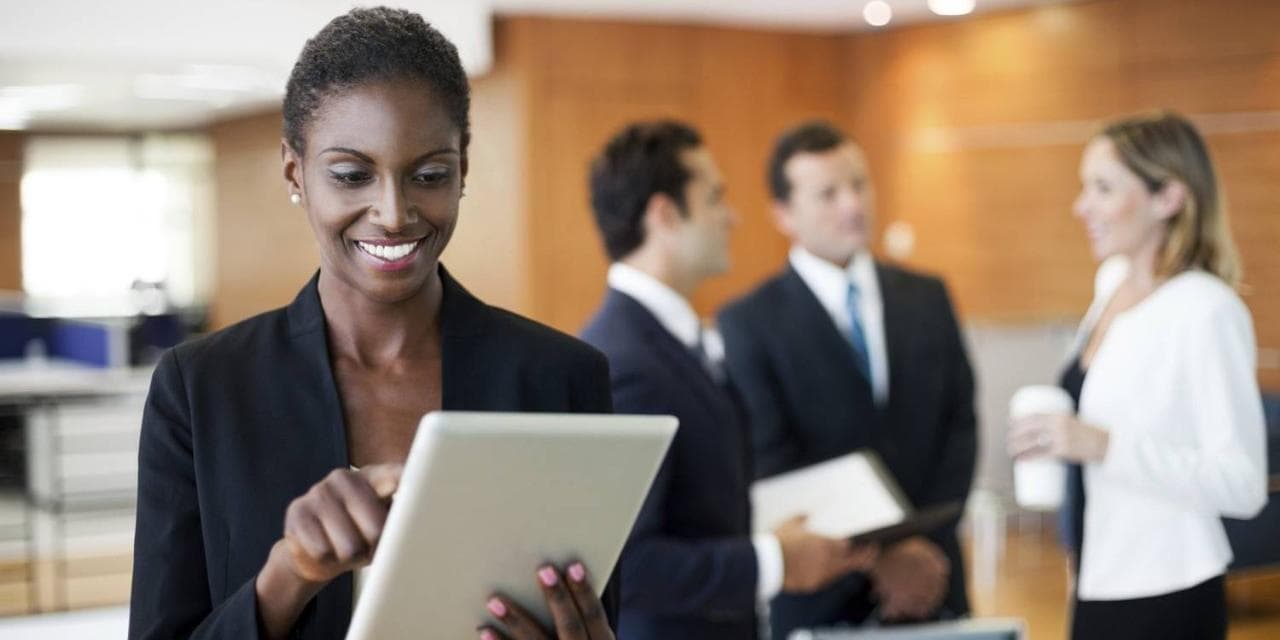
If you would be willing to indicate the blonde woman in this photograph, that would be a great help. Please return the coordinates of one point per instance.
(1168, 436)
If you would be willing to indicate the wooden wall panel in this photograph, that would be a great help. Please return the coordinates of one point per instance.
(11, 145)
(488, 252)
(264, 251)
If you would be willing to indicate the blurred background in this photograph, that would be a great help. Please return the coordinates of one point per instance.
(141, 202)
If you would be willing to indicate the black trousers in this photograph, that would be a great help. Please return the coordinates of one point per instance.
(1197, 613)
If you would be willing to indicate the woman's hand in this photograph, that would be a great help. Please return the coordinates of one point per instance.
(335, 526)
(1058, 436)
(332, 529)
(577, 612)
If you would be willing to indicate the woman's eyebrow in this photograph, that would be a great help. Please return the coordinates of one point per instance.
(366, 158)
(348, 151)
(437, 152)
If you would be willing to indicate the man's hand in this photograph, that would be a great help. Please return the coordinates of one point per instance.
(811, 561)
(911, 579)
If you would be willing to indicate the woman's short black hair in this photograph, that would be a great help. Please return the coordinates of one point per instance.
(368, 45)
(639, 161)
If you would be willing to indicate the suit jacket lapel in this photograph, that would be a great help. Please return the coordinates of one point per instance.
(809, 314)
(672, 350)
(464, 364)
(312, 381)
(896, 317)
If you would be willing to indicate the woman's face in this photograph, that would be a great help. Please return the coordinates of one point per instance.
(381, 179)
(1120, 214)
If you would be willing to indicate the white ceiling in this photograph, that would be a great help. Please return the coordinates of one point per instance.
(161, 64)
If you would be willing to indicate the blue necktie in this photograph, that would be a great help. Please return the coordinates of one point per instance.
(857, 336)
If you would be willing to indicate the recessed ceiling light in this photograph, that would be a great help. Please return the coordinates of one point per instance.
(877, 13)
(952, 7)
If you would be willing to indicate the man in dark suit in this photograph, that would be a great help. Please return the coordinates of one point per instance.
(691, 568)
(840, 352)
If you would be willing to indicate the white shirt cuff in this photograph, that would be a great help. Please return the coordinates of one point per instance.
(769, 566)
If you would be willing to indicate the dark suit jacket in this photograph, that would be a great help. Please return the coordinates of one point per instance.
(689, 568)
(241, 422)
(809, 402)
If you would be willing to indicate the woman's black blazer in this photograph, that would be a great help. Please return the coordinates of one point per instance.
(240, 422)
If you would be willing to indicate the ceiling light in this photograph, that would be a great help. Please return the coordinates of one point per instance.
(877, 13)
(12, 121)
(43, 97)
(952, 7)
(218, 85)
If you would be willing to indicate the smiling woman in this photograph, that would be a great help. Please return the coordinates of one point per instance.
(1168, 436)
(375, 151)
(381, 183)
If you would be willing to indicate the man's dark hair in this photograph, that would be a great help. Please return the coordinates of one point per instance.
(813, 136)
(641, 160)
(369, 45)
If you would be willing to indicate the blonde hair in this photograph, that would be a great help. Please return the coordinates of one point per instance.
(1165, 146)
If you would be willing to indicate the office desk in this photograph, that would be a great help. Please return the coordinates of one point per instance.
(23, 382)
(80, 438)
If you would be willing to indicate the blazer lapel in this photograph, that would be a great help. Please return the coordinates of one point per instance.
(673, 351)
(896, 318)
(465, 365)
(312, 381)
(310, 340)
(810, 316)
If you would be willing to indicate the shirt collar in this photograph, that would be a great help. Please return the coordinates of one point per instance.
(830, 283)
(671, 309)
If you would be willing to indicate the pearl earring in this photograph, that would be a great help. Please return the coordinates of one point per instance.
(295, 199)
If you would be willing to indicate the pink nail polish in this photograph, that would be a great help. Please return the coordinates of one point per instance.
(547, 576)
(487, 635)
(577, 572)
(496, 607)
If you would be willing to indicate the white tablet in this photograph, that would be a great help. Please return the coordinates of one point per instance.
(487, 498)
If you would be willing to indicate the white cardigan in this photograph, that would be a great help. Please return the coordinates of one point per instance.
(1175, 383)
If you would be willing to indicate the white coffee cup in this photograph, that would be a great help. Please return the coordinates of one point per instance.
(1038, 483)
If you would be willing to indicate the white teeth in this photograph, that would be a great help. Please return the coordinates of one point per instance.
(390, 253)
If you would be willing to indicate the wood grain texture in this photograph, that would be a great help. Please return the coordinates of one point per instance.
(11, 145)
(264, 249)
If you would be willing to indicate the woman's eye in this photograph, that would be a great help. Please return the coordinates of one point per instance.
(349, 177)
(433, 176)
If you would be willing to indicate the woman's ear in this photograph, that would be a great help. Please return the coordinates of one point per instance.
(463, 165)
(1170, 199)
(291, 164)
